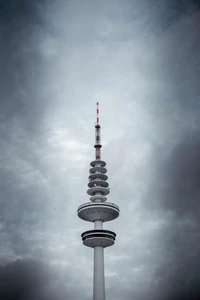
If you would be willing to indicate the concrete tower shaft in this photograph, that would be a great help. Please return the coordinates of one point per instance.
(98, 211)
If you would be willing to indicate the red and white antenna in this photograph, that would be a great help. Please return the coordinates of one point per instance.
(97, 136)
(97, 112)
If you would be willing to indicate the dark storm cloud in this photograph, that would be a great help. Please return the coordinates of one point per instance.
(23, 110)
(21, 279)
(177, 176)
(22, 127)
(31, 280)
(174, 188)
(178, 277)
(181, 175)
(176, 191)
(150, 16)
(21, 64)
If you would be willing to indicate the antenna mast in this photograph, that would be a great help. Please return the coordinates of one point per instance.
(97, 145)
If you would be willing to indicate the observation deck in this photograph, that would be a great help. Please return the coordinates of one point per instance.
(98, 238)
(98, 211)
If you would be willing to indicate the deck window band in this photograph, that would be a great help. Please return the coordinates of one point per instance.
(98, 235)
(102, 206)
(99, 231)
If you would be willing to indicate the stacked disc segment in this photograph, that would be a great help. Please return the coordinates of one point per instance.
(98, 210)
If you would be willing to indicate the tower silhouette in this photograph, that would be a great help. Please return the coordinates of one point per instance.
(98, 211)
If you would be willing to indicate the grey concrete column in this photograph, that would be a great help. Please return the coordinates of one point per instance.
(98, 224)
(99, 280)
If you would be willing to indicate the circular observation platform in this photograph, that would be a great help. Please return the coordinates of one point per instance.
(98, 189)
(98, 211)
(98, 175)
(98, 238)
(97, 182)
(99, 162)
(97, 169)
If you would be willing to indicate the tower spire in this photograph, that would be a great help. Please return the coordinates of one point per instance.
(97, 144)
(98, 211)
(97, 112)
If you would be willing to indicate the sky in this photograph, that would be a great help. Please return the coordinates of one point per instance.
(140, 60)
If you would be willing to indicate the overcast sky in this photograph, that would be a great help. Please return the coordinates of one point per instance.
(141, 61)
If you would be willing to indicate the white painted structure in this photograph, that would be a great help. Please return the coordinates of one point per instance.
(98, 211)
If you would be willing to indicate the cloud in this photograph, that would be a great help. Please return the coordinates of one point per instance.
(31, 279)
(181, 173)
(177, 200)
(26, 279)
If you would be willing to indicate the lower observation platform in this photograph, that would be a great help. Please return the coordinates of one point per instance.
(98, 211)
(98, 238)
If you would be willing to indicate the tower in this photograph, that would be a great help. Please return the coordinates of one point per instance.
(98, 211)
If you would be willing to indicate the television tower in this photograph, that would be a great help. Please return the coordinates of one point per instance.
(98, 211)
